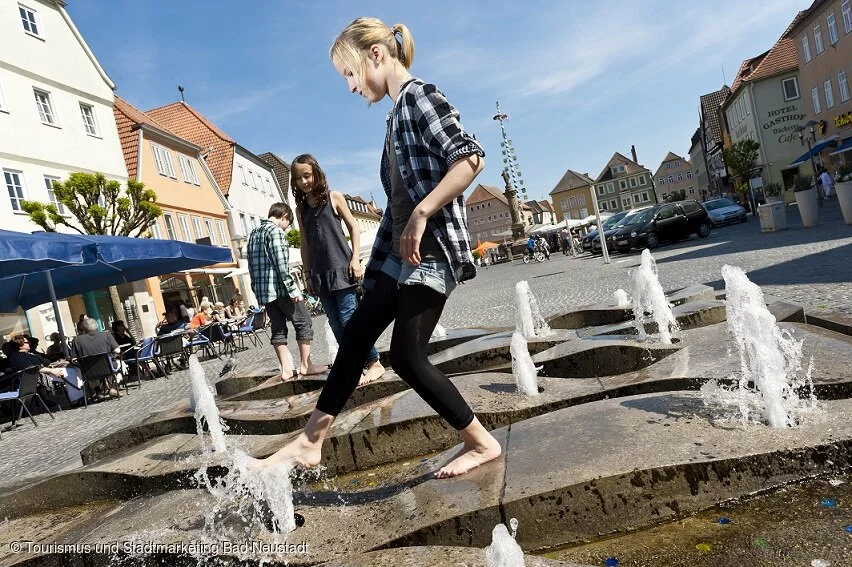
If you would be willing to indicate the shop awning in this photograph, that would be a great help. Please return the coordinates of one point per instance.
(815, 149)
(844, 147)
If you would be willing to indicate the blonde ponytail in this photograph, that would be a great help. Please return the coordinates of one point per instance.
(405, 47)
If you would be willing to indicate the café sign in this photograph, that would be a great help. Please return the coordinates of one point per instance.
(843, 120)
(783, 122)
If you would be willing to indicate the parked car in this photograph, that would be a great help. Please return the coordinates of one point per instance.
(724, 211)
(612, 229)
(608, 223)
(666, 222)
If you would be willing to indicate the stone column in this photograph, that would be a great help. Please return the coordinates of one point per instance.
(514, 209)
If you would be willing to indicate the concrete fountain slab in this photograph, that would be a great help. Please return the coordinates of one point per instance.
(600, 314)
(437, 344)
(628, 462)
(491, 352)
(438, 556)
(602, 356)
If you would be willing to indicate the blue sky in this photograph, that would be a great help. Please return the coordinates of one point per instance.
(578, 79)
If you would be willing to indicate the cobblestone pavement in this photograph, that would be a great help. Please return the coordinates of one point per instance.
(812, 267)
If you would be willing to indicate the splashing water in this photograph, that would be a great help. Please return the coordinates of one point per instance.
(523, 367)
(649, 297)
(331, 341)
(504, 551)
(439, 333)
(529, 320)
(770, 358)
(619, 298)
(204, 407)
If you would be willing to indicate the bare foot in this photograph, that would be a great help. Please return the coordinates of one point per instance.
(470, 457)
(299, 450)
(312, 370)
(373, 373)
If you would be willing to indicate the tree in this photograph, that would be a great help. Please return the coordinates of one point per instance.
(741, 159)
(99, 207)
(294, 238)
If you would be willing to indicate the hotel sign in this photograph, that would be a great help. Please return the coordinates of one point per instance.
(783, 122)
(843, 120)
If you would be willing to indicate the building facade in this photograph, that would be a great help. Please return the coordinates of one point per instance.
(712, 140)
(572, 197)
(675, 174)
(194, 209)
(55, 119)
(699, 165)
(823, 39)
(281, 169)
(623, 184)
(488, 214)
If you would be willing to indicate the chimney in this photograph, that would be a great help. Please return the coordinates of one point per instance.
(633, 153)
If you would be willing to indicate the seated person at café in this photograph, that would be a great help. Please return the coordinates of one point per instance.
(54, 351)
(121, 334)
(218, 314)
(95, 342)
(235, 308)
(201, 318)
(172, 323)
(20, 357)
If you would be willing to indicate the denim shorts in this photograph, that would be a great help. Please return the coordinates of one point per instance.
(434, 274)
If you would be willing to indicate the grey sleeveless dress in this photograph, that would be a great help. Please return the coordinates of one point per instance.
(329, 249)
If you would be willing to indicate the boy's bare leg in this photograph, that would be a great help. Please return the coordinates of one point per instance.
(373, 373)
(305, 366)
(479, 448)
(306, 449)
(285, 360)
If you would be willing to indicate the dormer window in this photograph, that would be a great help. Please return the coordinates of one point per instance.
(28, 20)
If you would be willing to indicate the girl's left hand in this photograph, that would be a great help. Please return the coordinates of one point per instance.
(355, 269)
(409, 242)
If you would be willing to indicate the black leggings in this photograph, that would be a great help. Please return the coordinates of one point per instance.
(416, 309)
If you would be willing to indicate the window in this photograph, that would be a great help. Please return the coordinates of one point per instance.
(662, 180)
(184, 228)
(671, 178)
(254, 221)
(818, 39)
(581, 201)
(269, 187)
(45, 108)
(806, 48)
(253, 182)
(633, 182)
(242, 174)
(622, 184)
(680, 177)
(15, 188)
(667, 212)
(610, 187)
(48, 184)
(223, 238)
(563, 203)
(832, 29)
(665, 196)
(188, 169)
(815, 100)
(170, 226)
(846, 9)
(689, 175)
(3, 107)
(613, 204)
(635, 199)
(28, 19)
(209, 225)
(154, 229)
(163, 161)
(603, 205)
(829, 94)
(645, 197)
(196, 224)
(244, 224)
(641, 180)
(87, 111)
(691, 191)
(625, 203)
(600, 189)
(791, 88)
(843, 86)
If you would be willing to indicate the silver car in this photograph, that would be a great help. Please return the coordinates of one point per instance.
(724, 211)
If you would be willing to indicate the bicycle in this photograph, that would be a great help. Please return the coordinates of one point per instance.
(536, 254)
(314, 305)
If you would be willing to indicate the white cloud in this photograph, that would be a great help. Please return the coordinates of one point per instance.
(244, 103)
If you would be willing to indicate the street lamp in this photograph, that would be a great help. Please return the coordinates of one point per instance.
(800, 131)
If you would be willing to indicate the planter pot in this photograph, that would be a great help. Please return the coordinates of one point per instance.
(844, 195)
(808, 207)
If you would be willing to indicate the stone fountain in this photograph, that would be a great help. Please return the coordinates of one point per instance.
(618, 440)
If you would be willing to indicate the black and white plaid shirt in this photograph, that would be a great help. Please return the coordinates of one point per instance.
(425, 131)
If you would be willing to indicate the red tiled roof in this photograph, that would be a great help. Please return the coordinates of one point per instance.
(126, 117)
(191, 125)
(571, 180)
(546, 206)
(486, 193)
(630, 167)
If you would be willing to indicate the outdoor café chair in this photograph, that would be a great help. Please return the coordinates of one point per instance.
(100, 369)
(166, 348)
(27, 381)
